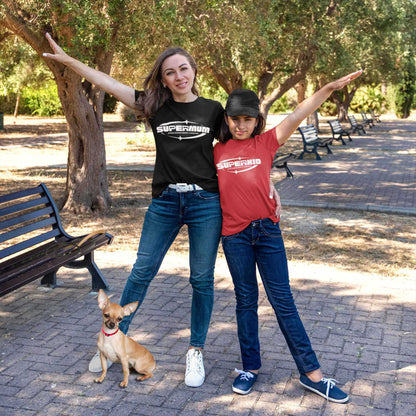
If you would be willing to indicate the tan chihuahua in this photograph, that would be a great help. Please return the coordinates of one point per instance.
(117, 347)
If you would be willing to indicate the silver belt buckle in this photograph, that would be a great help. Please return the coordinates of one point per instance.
(183, 187)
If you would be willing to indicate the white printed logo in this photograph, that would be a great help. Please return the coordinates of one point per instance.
(238, 164)
(182, 130)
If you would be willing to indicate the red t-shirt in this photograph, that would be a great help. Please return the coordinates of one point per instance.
(243, 168)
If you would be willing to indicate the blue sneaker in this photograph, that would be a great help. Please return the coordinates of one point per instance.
(244, 382)
(325, 388)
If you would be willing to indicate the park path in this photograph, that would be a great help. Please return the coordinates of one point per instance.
(362, 325)
(374, 172)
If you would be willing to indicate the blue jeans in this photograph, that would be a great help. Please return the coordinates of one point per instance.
(261, 243)
(201, 211)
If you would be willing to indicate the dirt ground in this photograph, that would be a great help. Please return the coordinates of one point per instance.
(350, 240)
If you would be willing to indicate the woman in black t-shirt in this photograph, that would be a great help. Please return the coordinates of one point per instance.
(184, 188)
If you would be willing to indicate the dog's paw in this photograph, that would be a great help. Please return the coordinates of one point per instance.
(99, 380)
(123, 384)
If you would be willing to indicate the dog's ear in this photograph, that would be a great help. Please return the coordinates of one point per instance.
(102, 299)
(130, 308)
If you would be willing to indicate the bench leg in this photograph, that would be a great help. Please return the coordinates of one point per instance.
(289, 173)
(317, 154)
(97, 279)
(49, 280)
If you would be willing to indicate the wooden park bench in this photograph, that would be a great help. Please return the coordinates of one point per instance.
(355, 126)
(367, 120)
(34, 245)
(311, 141)
(280, 162)
(338, 132)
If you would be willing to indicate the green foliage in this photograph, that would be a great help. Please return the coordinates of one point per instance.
(110, 103)
(208, 88)
(328, 108)
(368, 98)
(42, 101)
(405, 89)
(281, 106)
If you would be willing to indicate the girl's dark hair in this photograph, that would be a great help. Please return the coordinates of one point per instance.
(154, 94)
(225, 134)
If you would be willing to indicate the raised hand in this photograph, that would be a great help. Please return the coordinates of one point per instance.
(58, 55)
(122, 92)
(342, 82)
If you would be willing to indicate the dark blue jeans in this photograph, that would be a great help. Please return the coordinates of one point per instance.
(201, 212)
(261, 244)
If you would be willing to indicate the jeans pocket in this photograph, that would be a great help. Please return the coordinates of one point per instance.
(205, 195)
(270, 228)
(226, 238)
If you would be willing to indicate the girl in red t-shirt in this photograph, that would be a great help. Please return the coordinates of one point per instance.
(251, 235)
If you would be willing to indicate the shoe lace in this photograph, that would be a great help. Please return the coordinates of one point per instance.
(330, 384)
(194, 361)
(244, 375)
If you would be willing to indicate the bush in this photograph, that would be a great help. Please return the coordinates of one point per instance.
(110, 103)
(126, 113)
(368, 98)
(405, 89)
(43, 101)
(280, 106)
(327, 109)
(8, 103)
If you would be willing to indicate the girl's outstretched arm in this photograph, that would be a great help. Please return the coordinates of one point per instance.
(122, 92)
(308, 106)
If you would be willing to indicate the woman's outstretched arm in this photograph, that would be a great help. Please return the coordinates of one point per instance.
(308, 106)
(122, 92)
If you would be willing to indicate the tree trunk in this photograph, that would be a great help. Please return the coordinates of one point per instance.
(268, 100)
(342, 111)
(313, 119)
(300, 88)
(86, 185)
(16, 107)
(343, 100)
(228, 80)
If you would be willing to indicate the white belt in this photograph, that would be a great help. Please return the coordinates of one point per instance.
(184, 187)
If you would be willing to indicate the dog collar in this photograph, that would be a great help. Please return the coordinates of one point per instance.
(109, 335)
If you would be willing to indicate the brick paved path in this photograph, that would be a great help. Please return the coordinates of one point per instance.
(361, 326)
(376, 171)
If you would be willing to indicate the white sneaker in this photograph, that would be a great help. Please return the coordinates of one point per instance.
(195, 373)
(95, 363)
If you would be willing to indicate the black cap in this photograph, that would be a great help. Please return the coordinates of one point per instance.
(243, 103)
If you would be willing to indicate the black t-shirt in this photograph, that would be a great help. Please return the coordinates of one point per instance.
(184, 134)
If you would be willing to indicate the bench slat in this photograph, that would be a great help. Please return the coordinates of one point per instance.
(65, 250)
(27, 272)
(26, 229)
(8, 251)
(22, 206)
(21, 194)
(26, 217)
